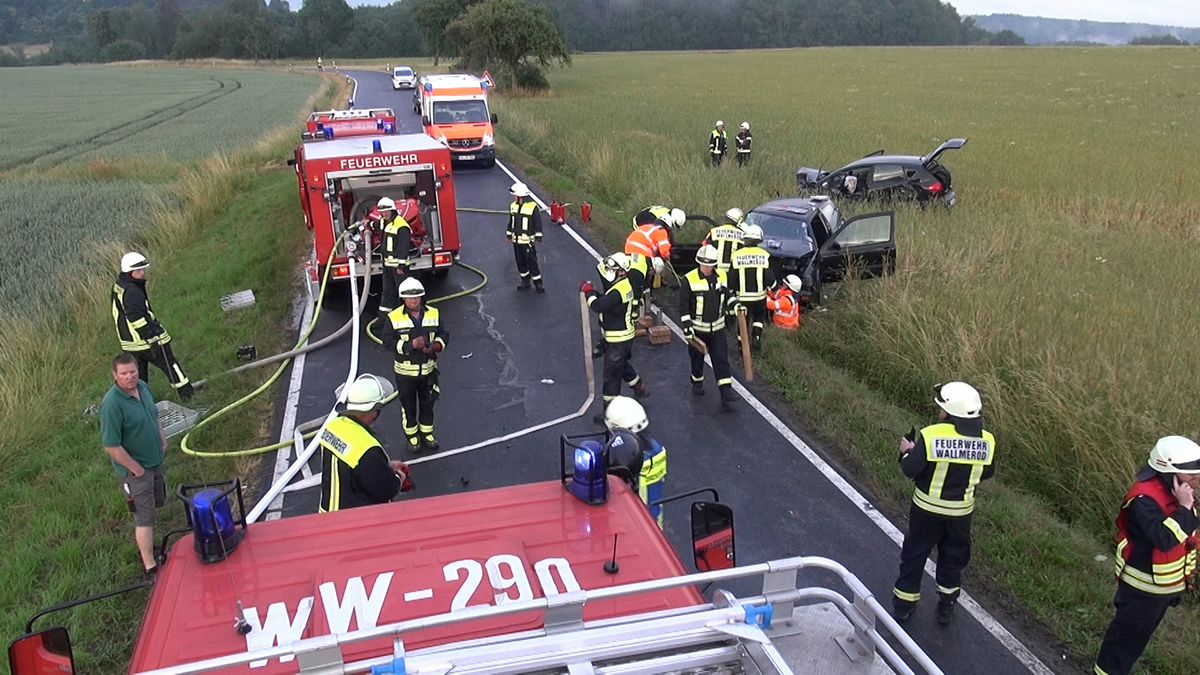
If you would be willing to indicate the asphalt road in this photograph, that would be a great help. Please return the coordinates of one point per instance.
(515, 360)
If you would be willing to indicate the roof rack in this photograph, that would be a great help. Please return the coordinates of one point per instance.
(778, 632)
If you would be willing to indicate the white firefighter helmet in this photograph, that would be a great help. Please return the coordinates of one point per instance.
(735, 216)
(959, 399)
(793, 282)
(386, 203)
(367, 392)
(625, 413)
(519, 190)
(613, 265)
(658, 265)
(677, 218)
(133, 261)
(720, 123)
(753, 233)
(746, 126)
(707, 255)
(411, 288)
(1175, 454)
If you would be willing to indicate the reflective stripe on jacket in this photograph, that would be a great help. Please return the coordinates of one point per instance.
(649, 215)
(1147, 567)
(524, 226)
(651, 485)
(397, 242)
(344, 442)
(703, 300)
(650, 240)
(726, 239)
(956, 464)
(616, 310)
(717, 142)
(411, 362)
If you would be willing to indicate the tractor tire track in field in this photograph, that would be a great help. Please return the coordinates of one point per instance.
(94, 142)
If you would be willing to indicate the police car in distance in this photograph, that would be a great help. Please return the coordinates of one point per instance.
(880, 177)
(808, 237)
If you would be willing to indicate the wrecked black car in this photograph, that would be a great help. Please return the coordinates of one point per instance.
(808, 237)
(880, 177)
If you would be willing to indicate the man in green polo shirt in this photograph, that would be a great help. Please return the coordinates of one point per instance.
(134, 439)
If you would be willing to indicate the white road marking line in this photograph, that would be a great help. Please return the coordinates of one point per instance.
(985, 619)
(284, 454)
(423, 594)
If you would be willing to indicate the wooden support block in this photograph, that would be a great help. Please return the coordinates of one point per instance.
(659, 335)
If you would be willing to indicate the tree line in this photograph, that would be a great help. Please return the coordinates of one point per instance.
(520, 36)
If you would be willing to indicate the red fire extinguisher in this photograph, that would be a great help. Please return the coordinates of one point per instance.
(556, 212)
(585, 210)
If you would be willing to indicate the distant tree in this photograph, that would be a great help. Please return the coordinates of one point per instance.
(124, 50)
(168, 14)
(100, 27)
(323, 25)
(1007, 38)
(199, 37)
(512, 32)
(432, 18)
(1167, 40)
(971, 33)
(249, 32)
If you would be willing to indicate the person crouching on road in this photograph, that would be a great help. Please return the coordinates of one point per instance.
(397, 243)
(653, 240)
(134, 440)
(947, 461)
(750, 276)
(630, 445)
(704, 298)
(718, 143)
(743, 140)
(616, 309)
(525, 233)
(355, 469)
(138, 330)
(783, 303)
(1156, 551)
(417, 339)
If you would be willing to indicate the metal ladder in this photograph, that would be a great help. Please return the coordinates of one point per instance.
(768, 634)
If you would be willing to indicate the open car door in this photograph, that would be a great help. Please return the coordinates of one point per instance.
(867, 243)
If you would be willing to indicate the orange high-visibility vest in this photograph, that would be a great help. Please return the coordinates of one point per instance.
(785, 307)
(649, 240)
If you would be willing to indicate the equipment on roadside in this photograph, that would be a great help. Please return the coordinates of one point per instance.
(134, 261)
(1175, 454)
(744, 333)
(959, 399)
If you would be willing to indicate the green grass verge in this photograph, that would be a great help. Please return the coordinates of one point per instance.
(68, 534)
(1027, 563)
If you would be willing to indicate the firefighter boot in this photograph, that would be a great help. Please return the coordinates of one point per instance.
(756, 334)
(945, 612)
(414, 444)
(728, 396)
(698, 387)
(524, 284)
(538, 284)
(902, 612)
(428, 442)
(186, 391)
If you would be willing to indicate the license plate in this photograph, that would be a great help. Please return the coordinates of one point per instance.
(466, 157)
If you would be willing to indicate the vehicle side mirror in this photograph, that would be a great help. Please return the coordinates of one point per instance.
(712, 536)
(495, 118)
(426, 122)
(46, 652)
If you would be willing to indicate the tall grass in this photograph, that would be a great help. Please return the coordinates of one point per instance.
(1063, 284)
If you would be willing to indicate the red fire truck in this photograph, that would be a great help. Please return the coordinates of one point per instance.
(347, 161)
(539, 578)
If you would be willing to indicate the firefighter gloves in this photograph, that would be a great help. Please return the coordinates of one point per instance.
(586, 287)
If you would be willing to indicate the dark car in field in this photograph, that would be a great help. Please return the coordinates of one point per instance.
(808, 237)
(880, 177)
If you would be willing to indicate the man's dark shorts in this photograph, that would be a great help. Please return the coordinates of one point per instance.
(148, 492)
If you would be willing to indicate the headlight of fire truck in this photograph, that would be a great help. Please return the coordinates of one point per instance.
(488, 139)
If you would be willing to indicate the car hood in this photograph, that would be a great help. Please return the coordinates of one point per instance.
(788, 248)
(809, 176)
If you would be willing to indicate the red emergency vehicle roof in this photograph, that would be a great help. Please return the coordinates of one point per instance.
(323, 573)
(363, 145)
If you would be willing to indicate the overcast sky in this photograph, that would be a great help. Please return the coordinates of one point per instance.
(1161, 12)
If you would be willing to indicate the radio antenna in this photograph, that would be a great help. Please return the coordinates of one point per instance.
(611, 566)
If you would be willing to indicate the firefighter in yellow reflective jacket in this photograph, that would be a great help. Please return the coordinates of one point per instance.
(718, 143)
(947, 461)
(617, 316)
(631, 445)
(704, 299)
(727, 237)
(138, 330)
(355, 469)
(750, 276)
(397, 243)
(1156, 550)
(417, 338)
(525, 233)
